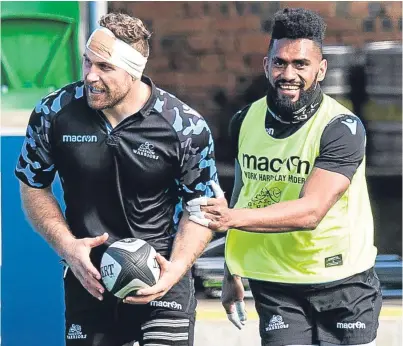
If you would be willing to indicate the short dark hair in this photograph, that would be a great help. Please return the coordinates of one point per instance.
(295, 23)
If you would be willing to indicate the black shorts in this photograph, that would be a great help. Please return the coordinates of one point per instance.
(168, 321)
(344, 312)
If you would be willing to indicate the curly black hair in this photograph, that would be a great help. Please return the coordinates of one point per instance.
(295, 23)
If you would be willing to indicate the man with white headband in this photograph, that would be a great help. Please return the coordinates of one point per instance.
(128, 155)
(104, 44)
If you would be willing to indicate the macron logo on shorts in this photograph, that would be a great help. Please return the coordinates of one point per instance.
(75, 332)
(160, 303)
(355, 325)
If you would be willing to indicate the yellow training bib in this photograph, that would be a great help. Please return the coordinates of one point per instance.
(274, 170)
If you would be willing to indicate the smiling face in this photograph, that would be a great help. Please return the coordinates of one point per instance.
(293, 68)
(106, 85)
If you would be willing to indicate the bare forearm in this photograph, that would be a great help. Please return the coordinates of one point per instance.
(190, 242)
(45, 214)
(281, 217)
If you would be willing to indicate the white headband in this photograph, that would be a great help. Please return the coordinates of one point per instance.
(105, 45)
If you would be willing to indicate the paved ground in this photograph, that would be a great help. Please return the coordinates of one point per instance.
(213, 329)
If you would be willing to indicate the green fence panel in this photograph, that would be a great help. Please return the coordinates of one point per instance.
(40, 49)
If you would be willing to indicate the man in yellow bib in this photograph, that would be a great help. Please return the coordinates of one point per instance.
(300, 228)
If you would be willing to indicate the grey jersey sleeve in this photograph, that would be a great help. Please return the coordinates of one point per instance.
(238, 184)
(342, 146)
(235, 127)
(233, 133)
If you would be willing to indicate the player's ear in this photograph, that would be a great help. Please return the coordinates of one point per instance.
(266, 66)
(322, 70)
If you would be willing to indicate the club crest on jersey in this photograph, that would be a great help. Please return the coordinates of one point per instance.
(146, 149)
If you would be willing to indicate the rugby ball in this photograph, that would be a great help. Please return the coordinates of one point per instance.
(128, 265)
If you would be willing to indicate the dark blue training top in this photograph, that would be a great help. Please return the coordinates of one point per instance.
(129, 181)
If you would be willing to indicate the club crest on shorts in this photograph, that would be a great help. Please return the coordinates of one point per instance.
(75, 332)
(276, 322)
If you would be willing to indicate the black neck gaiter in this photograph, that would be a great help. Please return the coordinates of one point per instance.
(303, 109)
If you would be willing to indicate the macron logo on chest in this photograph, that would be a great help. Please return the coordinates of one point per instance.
(79, 139)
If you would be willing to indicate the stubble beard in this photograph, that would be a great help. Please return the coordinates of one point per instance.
(110, 100)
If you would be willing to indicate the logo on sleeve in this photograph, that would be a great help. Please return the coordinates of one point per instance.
(351, 124)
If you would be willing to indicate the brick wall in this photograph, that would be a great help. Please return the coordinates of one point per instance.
(210, 54)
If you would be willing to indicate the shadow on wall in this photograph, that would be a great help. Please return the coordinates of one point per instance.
(255, 89)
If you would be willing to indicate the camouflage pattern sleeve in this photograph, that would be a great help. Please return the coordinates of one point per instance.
(196, 158)
(35, 165)
(198, 167)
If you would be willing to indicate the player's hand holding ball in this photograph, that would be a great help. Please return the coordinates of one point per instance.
(169, 276)
(132, 270)
(76, 253)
